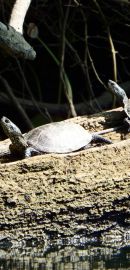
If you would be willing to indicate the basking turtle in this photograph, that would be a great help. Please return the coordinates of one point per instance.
(123, 99)
(57, 137)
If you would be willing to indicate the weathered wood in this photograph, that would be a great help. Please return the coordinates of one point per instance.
(14, 43)
(82, 192)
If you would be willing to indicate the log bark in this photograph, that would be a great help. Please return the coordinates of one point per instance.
(14, 43)
(85, 192)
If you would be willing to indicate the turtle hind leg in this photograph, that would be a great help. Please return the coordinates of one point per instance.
(30, 152)
(127, 123)
(98, 138)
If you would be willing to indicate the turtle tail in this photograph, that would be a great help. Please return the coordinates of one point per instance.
(98, 138)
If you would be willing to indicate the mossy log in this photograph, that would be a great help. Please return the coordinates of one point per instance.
(84, 192)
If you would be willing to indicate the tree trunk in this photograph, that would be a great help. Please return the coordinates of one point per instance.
(84, 192)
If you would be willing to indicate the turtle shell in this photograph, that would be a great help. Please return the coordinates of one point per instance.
(58, 137)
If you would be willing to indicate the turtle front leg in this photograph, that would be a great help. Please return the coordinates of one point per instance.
(30, 152)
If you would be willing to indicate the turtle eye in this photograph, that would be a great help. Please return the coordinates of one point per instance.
(7, 121)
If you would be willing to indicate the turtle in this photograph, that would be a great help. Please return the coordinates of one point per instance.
(123, 99)
(56, 137)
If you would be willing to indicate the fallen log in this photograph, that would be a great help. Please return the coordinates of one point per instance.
(86, 192)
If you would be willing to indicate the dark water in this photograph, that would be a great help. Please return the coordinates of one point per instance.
(59, 256)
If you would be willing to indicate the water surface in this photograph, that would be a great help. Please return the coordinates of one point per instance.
(66, 256)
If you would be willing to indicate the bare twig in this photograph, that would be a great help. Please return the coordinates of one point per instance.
(87, 77)
(63, 81)
(94, 69)
(121, 2)
(46, 115)
(113, 51)
(16, 103)
(110, 41)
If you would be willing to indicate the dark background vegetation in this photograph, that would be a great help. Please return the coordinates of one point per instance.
(81, 44)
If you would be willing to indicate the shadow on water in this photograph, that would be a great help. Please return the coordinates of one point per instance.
(65, 255)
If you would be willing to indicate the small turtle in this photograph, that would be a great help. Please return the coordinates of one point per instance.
(57, 137)
(123, 99)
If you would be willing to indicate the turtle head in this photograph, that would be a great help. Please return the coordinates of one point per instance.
(19, 143)
(11, 130)
(117, 91)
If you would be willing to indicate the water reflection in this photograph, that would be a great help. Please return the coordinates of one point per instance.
(57, 257)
